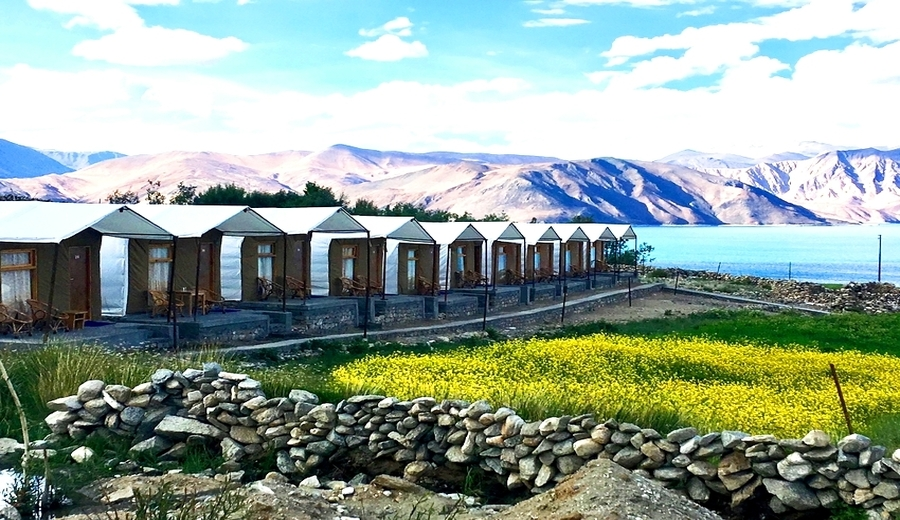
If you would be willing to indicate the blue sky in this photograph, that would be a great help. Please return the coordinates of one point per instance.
(570, 78)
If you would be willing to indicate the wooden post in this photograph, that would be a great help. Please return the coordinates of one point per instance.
(837, 384)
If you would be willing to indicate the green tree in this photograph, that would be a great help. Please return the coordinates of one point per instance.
(627, 255)
(185, 194)
(496, 217)
(222, 194)
(152, 193)
(582, 219)
(319, 196)
(365, 207)
(128, 197)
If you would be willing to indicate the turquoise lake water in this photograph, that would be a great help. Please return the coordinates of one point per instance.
(827, 254)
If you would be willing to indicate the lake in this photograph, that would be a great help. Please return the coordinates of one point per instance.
(826, 254)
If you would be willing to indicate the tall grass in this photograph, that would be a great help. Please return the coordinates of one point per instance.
(44, 374)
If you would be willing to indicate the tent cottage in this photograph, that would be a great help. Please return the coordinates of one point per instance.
(573, 254)
(50, 252)
(599, 236)
(210, 253)
(461, 262)
(505, 243)
(393, 257)
(299, 224)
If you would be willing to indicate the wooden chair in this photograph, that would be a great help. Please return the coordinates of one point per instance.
(42, 316)
(362, 283)
(159, 304)
(473, 279)
(266, 288)
(546, 274)
(424, 286)
(513, 277)
(214, 299)
(297, 287)
(15, 322)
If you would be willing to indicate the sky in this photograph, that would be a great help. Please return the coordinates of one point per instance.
(575, 79)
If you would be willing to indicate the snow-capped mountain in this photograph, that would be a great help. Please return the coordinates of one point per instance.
(21, 161)
(853, 185)
(846, 186)
(79, 160)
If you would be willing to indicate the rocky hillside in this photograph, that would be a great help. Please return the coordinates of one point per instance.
(851, 186)
(24, 162)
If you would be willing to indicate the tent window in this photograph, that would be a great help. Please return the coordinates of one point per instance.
(265, 261)
(160, 264)
(501, 258)
(411, 261)
(460, 258)
(349, 254)
(17, 272)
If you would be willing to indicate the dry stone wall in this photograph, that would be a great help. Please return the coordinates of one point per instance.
(424, 437)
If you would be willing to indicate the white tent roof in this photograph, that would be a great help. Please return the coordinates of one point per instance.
(499, 231)
(53, 222)
(538, 232)
(194, 221)
(404, 229)
(622, 231)
(597, 232)
(445, 233)
(303, 221)
(571, 232)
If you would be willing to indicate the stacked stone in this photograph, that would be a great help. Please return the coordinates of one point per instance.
(421, 437)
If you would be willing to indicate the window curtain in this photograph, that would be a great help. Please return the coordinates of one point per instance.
(159, 268)
(16, 283)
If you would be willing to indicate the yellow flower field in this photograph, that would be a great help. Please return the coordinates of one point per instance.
(704, 383)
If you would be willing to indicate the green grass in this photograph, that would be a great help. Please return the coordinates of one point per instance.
(849, 331)
(44, 374)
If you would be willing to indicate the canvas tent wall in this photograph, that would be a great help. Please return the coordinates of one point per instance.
(622, 233)
(51, 252)
(461, 249)
(505, 243)
(542, 242)
(232, 271)
(573, 252)
(399, 251)
(299, 224)
(599, 235)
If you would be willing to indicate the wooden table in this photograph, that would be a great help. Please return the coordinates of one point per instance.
(75, 319)
(187, 296)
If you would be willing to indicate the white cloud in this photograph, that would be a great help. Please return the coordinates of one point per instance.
(156, 46)
(389, 47)
(555, 22)
(549, 12)
(751, 112)
(662, 3)
(717, 48)
(400, 26)
(131, 42)
(710, 9)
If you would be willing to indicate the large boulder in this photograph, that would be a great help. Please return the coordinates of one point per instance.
(603, 489)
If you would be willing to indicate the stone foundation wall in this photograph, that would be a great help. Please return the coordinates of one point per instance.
(424, 437)
(459, 307)
(327, 319)
(504, 297)
(395, 310)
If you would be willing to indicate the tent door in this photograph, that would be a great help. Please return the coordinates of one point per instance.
(207, 267)
(80, 278)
